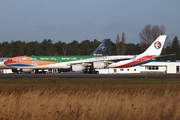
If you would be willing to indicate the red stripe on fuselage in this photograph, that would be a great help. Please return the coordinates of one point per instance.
(8, 62)
(136, 61)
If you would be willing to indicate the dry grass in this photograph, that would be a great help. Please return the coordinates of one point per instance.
(90, 102)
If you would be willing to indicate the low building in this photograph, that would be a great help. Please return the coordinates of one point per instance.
(5, 71)
(166, 67)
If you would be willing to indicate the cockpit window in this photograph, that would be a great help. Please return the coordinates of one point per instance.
(9, 59)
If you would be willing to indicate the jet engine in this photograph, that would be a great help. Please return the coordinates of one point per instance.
(98, 65)
(77, 67)
(21, 70)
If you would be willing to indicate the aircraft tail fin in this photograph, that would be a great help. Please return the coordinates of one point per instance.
(102, 48)
(156, 47)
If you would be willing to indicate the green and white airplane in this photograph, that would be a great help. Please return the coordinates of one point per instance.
(36, 64)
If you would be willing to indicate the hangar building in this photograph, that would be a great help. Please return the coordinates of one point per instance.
(166, 67)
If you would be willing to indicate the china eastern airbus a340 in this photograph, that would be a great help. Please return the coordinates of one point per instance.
(82, 63)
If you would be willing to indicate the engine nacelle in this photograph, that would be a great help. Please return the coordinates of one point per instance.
(27, 70)
(98, 65)
(21, 70)
(77, 67)
(16, 70)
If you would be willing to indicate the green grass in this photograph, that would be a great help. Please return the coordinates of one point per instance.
(89, 81)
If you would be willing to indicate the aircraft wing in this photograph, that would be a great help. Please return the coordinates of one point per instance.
(167, 55)
(105, 61)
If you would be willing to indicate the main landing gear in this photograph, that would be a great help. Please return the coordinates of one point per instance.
(90, 71)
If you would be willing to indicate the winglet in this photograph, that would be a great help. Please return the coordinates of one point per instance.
(102, 48)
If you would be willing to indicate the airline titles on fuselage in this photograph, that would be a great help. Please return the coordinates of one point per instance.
(46, 58)
(68, 58)
(71, 58)
(51, 58)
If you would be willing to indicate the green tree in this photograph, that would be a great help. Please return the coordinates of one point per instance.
(64, 48)
(47, 47)
(175, 48)
(34, 48)
(86, 47)
(118, 44)
(73, 48)
(94, 45)
(58, 48)
(132, 49)
(18, 48)
(112, 48)
(122, 44)
(6, 49)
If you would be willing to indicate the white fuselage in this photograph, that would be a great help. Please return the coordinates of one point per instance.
(68, 64)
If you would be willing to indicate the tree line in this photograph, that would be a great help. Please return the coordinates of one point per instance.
(86, 47)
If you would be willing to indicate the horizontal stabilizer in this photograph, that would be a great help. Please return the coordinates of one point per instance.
(167, 55)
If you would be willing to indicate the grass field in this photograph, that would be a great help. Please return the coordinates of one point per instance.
(90, 99)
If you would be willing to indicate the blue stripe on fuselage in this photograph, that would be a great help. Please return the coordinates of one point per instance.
(19, 65)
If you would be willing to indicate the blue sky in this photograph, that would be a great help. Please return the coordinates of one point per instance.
(68, 20)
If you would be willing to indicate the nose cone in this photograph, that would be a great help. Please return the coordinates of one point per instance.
(9, 63)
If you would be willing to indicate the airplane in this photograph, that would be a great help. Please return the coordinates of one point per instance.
(87, 64)
(101, 50)
(153, 51)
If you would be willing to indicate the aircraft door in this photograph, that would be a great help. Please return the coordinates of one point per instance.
(115, 71)
(177, 69)
(17, 59)
(34, 62)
